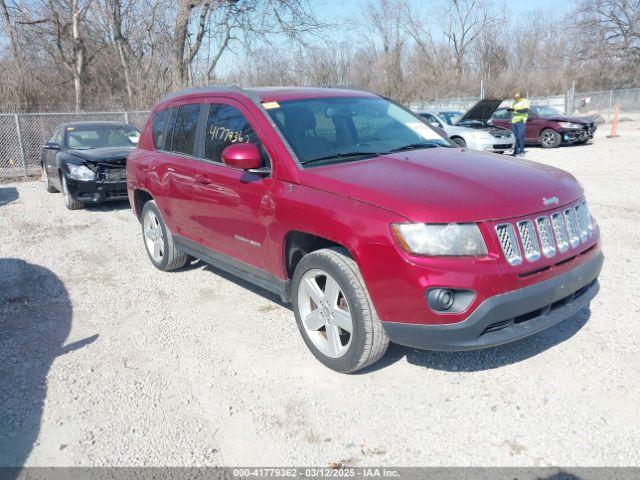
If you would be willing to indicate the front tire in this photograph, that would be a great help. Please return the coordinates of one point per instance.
(158, 240)
(334, 312)
(550, 138)
(69, 201)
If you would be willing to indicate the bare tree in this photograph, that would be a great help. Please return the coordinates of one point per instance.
(463, 23)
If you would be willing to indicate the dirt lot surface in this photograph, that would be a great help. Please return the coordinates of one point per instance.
(105, 360)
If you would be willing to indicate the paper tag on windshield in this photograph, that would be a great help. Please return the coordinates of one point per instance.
(271, 105)
(420, 129)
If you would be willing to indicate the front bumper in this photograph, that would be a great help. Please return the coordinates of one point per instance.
(97, 191)
(496, 144)
(577, 135)
(510, 316)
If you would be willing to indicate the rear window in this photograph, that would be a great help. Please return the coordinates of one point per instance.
(159, 128)
(184, 130)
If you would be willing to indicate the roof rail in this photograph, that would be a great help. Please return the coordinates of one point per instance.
(208, 89)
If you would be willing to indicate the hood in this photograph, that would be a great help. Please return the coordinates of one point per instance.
(481, 111)
(443, 185)
(106, 154)
(569, 118)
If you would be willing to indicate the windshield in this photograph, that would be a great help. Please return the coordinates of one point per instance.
(546, 111)
(331, 130)
(100, 136)
(450, 117)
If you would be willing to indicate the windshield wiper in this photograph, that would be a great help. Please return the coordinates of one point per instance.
(340, 155)
(415, 146)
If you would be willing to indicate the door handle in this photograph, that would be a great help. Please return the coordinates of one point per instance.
(203, 179)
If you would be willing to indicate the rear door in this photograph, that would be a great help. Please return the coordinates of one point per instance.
(231, 207)
(173, 165)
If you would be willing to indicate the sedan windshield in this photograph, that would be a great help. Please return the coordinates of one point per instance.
(450, 117)
(100, 136)
(344, 129)
(546, 111)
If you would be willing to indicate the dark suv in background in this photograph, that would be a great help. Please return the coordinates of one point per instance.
(550, 128)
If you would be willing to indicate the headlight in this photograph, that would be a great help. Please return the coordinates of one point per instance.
(570, 125)
(454, 239)
(80, 172)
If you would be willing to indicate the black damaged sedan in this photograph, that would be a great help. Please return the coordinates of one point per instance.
(87, 161)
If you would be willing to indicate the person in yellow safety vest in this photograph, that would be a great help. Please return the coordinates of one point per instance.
(519, 114)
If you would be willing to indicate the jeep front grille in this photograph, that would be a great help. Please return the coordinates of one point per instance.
(547, 235)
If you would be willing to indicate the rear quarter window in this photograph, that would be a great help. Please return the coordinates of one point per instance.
(160, 128)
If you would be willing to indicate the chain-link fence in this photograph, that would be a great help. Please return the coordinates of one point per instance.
(23, 134)
(601, 103)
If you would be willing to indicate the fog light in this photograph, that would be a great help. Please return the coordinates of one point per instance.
(440, 299)
(449, 300)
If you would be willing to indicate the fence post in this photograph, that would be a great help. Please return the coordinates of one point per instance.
(610, 105)
(126, 117)
(20, 144)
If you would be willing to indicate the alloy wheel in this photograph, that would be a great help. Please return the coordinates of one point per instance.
(325, 313)
(153, 236)
(548, 138)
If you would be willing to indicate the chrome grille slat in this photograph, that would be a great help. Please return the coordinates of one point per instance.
(572, 227)
(509, 243)
(582, 223)
(546, 237)
(560, 231)
(529, 240)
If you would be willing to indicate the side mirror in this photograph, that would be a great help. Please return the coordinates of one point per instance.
(245, 156)
(52, 146)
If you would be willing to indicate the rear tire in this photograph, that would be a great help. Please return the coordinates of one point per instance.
(550, 138)
(158, 240)
(329, 295)
(459, 141)
(69, 201)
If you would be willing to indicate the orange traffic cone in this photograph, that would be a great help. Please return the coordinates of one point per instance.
(614, 124)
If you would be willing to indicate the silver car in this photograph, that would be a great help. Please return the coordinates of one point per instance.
(471, 129)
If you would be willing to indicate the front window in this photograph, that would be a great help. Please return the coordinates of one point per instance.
(333, 130)
(101, 136)
(546, 111)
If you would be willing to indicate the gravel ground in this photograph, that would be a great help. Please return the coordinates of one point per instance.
(105, 360)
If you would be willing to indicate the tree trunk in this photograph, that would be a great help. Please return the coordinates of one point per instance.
(78, 56)
(121, 41)
(181, 27)
(13, 36)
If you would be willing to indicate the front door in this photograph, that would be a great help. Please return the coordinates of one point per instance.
(50, 158)
(232, 208)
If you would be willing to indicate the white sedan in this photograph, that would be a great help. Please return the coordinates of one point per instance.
(475, 136)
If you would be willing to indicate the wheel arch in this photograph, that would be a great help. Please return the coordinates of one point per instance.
(140, 197)
(298, 243)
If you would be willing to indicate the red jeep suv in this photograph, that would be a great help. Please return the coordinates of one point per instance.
(355, 210)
